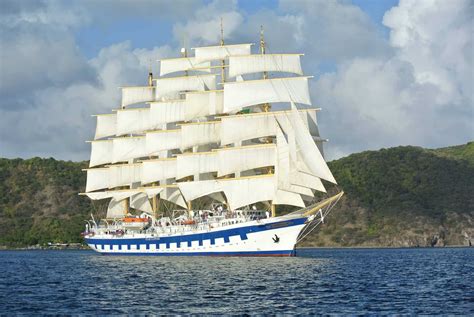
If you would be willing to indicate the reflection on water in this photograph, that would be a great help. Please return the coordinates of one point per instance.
(318, 281)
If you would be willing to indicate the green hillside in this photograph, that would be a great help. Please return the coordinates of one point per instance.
(404, 196)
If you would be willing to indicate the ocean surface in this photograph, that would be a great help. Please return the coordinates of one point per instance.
(317, 281)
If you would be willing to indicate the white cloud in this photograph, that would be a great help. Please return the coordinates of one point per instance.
(204, 28)
(60, 121)
(421, 95)
(413, 88)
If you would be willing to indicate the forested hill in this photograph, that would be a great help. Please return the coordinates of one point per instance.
(403, 196)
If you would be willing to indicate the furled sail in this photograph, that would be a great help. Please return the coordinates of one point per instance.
(247, 64)
(200, 133)
(209, 53)
(196, 163)
(158, 170)
(133, 95)
(170, 88)
(101, 152)
(128, 148)
(173, 65)
(237, 159)
(248, 93)
(106, 125)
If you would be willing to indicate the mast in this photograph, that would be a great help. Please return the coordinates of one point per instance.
(222, 61)
(266, 108)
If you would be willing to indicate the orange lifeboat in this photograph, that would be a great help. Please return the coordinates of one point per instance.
(133, 219)
(189, 222)
(135, 223)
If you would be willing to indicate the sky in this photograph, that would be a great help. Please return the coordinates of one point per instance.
(386, 73)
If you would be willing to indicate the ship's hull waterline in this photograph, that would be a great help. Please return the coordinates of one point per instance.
(267, 237)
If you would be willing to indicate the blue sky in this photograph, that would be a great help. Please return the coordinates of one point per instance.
(387, 73)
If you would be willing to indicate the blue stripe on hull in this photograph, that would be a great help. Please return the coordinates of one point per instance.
(242, 253)
(187, 239)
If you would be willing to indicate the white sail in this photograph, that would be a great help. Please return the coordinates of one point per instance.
(173, 195)
(247, 64)
(245, 127)
(101, 152)
(97, 178)
(307, 180)
(116, 194)
(106, 125)
(283, 169)
(170, 88)
(309, 151)
(220, 52)
(248, 93)
(140, 202)
(128, 148)
(196, 163)
(201, 133)
(223, 143)
(134, 120)
(152, 191)
(257, 125)
(168, 111)
(309, 116)
(162, 140)
(173, 65)
(237, 159)
(197, 189)
(133, 95)
(158, 170)
(98, 195)
(283, 197)
(205, 103)
(124, 175)
(248, 190)
(116, 209)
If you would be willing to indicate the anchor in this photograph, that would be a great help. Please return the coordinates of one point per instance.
(276, 239)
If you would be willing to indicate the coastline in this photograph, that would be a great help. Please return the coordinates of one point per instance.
(79, 246)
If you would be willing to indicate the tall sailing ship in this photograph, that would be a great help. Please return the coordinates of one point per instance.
(203, 138)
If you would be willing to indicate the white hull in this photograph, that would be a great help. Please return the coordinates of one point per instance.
(267, 237)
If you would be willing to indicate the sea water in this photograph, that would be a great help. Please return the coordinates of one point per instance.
(317, 281)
